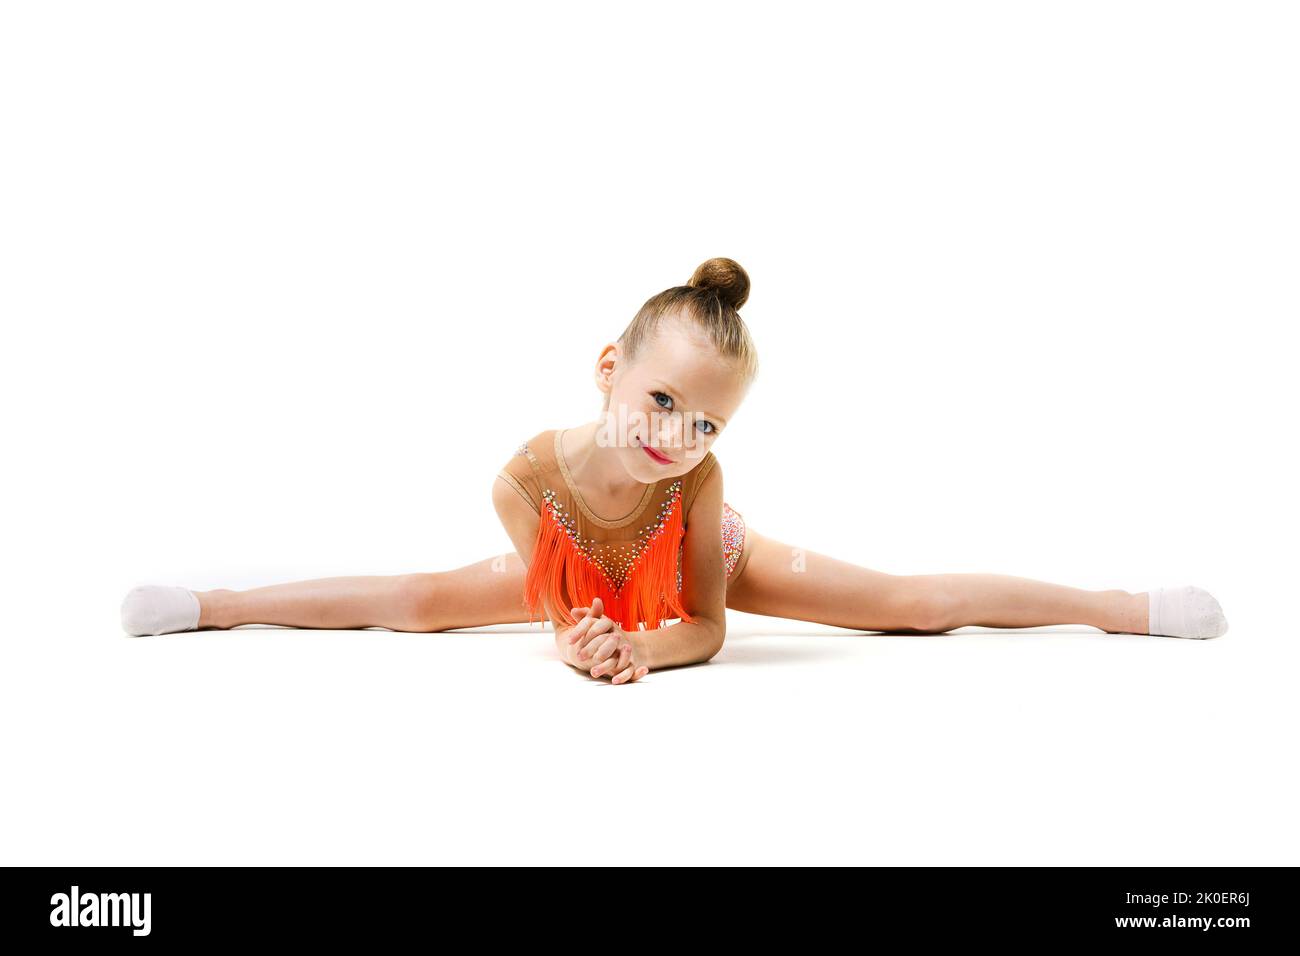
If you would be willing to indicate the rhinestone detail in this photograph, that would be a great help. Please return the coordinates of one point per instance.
(616, 563)
(733, 539)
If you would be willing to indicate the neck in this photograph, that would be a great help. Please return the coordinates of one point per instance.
(595, 467)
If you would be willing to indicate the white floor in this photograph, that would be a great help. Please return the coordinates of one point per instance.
(798, 744)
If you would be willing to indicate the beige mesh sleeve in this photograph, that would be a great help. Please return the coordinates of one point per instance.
(520, 475)
(696, 478)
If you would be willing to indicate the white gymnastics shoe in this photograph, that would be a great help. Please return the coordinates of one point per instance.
(153, 609)
(1185, 612)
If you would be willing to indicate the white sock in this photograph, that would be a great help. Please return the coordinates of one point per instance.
(151, 609)
(1185, 612)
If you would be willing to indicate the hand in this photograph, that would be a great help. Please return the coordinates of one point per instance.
(601, 647)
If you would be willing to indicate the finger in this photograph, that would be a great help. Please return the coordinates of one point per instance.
(622, 676)
(599, 625)
(580, 629)
(610, 652)
(606, 657)
(592, 637)
(602, 668)
(624, 656)
(634, 672)
(601, 658)
(600, 643)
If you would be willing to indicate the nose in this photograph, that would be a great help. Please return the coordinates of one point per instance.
(670, 433)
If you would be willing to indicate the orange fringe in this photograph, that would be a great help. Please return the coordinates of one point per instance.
(561, 574)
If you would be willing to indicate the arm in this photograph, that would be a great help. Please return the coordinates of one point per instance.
(520, 520)
(704, 588)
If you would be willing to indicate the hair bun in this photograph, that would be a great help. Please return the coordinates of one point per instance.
(725, 277)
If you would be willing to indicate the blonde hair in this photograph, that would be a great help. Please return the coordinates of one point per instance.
(710, 300)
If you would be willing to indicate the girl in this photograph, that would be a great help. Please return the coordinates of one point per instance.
(620, 525)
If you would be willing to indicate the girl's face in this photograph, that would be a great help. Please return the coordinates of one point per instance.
(665, 410)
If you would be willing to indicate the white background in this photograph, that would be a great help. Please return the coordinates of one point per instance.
(283, 285)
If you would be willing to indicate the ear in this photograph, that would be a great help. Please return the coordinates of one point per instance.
(610, 357)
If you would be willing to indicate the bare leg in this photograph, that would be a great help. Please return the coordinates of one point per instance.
(785, 581)
(1002, 600)
(776, 579)
(486, 592)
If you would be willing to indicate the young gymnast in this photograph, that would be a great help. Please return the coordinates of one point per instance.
(620, 526)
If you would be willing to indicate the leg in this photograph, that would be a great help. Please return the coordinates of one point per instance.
(783, 581)
(487, 592)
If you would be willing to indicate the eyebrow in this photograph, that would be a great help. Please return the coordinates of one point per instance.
(675, 391)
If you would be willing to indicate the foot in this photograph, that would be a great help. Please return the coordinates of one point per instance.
(1185, 612)
(154, 609)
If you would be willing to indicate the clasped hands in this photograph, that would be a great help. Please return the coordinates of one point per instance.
(598, 645)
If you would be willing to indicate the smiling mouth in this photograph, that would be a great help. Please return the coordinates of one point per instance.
(661, 459)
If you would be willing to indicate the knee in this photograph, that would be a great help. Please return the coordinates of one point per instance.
(418, 601)
(926, 604)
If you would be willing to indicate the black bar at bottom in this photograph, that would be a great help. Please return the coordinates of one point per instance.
(778, 906)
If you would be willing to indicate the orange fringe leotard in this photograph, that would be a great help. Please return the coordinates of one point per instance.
(632, 563)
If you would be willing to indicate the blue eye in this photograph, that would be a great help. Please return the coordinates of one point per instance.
(709, 430)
